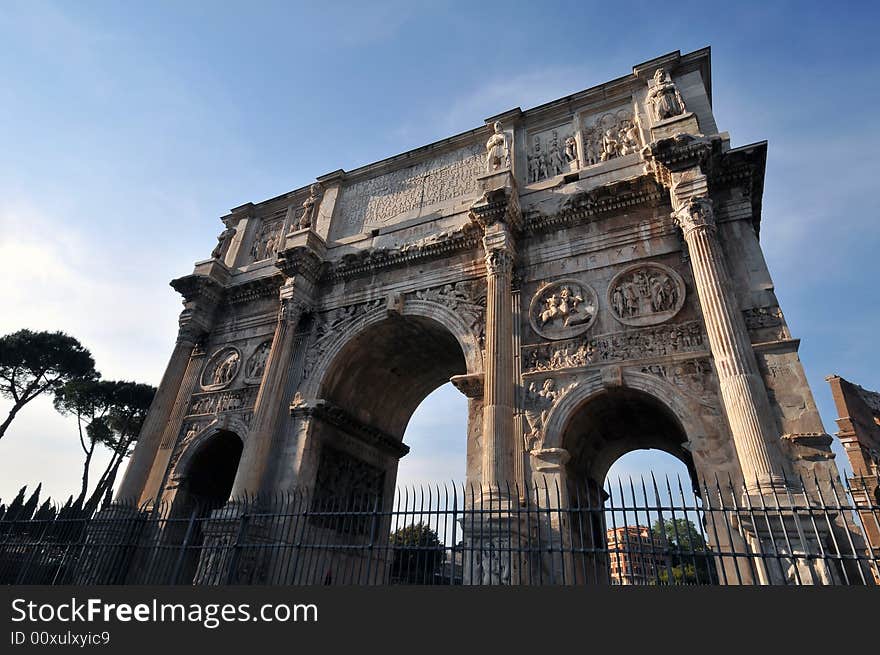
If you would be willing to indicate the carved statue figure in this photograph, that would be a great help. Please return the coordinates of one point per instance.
(552, 310)
(223, 241)
(628, 138)
(556, 154)
(495, 564)
(591, 151)
(266, 243)
(665, 97)
(191, 432)
(538, 403)
(225, 369)
(565, 306)
(497, 150)
(307, 217)
(571, 149)
(609, 145)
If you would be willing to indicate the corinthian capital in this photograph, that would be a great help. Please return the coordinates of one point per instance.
(500, 250)
(291, 309)
(499, 262)
(696, 213)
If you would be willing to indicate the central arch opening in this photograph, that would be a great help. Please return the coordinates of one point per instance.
(381, 375)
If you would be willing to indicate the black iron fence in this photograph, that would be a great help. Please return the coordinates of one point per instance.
(629, 532)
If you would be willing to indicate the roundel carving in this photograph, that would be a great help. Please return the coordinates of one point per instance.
(563, 309)
(645, 294)
(221, 369)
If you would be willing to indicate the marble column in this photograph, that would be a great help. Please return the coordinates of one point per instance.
(300, 266)
(155, 484)
(742, 389)
(498, 396)
(134, 482)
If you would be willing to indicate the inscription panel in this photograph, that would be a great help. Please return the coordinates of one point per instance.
(404, 193)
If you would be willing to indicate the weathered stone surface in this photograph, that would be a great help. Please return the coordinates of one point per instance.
(588, 272)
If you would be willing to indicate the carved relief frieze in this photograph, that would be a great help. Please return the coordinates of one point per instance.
(466, 298)
(609, 136)
(538, 400)
(221, 368)
(268, 240)
(551, 152)
(377, 200)
(442, 243)
(330, 324)
(767, 319)
(693, 376)
(645, 343)
(343, 480)
(563, 309)
(646, 294)
(762, 317)
(222, 401)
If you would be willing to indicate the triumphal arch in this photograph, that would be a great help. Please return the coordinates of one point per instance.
(587, 272)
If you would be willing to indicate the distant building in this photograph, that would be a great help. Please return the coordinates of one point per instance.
(635, 555)
(859, 432)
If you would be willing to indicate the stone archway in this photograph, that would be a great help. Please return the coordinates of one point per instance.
(681, 430)
(200, 484)
(206, 470)
(366, 387)
(594, 423)
(614, 422)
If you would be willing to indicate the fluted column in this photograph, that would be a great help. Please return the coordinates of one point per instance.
(138, 470)
(499, 391)
(300, 265)
(159, 472)
(742, 388)
(270, 405)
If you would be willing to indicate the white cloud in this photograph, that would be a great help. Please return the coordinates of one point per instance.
(58, 277)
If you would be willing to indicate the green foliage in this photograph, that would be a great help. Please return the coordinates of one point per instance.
(109, 413)
(418, 554)
(32, 363)
(691, 562)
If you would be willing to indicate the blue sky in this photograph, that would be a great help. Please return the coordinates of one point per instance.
(128, 128)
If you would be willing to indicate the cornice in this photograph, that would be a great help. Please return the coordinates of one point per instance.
(596, 202)
(339, 418)
(196, 288)
(261, 287)
(367, 262)
(744, 166)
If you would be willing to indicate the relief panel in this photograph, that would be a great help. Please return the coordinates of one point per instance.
(551, 152)
(645, 294)
(609, 136)
(221, 368)
(563, 309)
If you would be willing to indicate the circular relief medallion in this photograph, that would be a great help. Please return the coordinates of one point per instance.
(563, 309)
(645, 294)
(221, 369)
